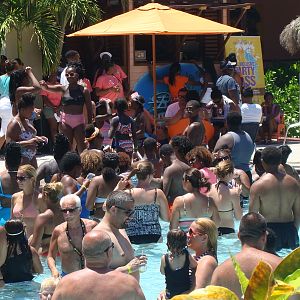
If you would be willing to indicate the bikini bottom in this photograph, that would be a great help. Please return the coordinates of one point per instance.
(225, 230)
(72, 120)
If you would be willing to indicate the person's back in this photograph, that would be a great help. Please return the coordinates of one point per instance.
(89, 285)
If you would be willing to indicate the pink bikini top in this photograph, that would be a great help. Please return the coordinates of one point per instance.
(28, 212)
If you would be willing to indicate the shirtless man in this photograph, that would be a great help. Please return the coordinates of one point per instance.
(67, 237)
(253, 236)
(172, 177)
(119, 206)
(195, 131)
(276, 196)
(97, 249)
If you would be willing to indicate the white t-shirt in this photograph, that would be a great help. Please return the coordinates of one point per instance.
(172, 110)
(251, 113)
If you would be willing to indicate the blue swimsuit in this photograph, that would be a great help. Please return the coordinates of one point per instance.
(4, 211)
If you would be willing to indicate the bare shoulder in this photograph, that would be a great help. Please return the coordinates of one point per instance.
(208, 261)
(59, 229)
(90, 224)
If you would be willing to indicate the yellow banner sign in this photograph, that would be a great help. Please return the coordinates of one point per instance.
(249, 63)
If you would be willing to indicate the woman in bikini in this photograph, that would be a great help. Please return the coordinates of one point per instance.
(194, 204)
(226, 197)
(75, 96)
(48, 220)
(21, 131)
(149, 205)
(25, 204)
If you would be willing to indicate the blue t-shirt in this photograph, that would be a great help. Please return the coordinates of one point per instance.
(4, 85)
(226, 83)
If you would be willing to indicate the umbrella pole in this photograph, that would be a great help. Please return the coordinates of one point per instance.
(154, 82)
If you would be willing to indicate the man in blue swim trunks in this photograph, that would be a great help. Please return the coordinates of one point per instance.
(276, 196)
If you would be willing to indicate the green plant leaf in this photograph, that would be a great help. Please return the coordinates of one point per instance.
(288, 266)
(244, 281)
(281, 291)
(260, 283)
(212, 292)
(294, 279)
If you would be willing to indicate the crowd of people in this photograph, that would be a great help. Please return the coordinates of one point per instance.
(114, 177)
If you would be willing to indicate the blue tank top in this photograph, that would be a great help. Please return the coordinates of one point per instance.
(85, 213)
(242, 150)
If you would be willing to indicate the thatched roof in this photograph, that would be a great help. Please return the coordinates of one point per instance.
(290, 37)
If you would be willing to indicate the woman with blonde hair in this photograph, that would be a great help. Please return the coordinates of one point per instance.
(48, 220)
(202, 238)
(194, 204)
(226, 197)
(150, 205)
(25, 204)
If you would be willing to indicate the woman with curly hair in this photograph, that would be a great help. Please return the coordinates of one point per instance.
(194, 204)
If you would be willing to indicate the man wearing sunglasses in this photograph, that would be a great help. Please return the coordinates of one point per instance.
(67, 237)
(119, 207)
(97, 248)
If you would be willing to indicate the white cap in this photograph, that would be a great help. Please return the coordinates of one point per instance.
(105, 53)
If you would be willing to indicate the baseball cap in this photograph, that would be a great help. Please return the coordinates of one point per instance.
(227, 64)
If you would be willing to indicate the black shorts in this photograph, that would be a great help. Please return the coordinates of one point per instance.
(144, 238)
(225, 230)
(286, 235)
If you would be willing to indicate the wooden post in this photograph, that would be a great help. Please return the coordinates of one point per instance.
(154, 82)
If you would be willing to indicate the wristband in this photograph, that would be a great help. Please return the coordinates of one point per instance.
(83, 186)
(129, 270)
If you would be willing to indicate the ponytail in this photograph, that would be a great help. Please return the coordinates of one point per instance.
(197, 179)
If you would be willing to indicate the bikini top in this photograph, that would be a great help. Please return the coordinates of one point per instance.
(26, 135)
(73, 97)
(8, 196)
(76, 250)
(217, 186)
(28, 212)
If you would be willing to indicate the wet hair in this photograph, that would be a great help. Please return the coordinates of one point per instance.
(121, 105)
(61, 146)
(192, 95)
(176, 241)
(110, 160)
(285, 152)
(13, 156)
(252, 227)
(234, 119)
(202, 154)
(150, 144)
(78, 67)
(54, 191)
(247, 93)
(207, 226)
(196, 178)
(166, 150)
(268, 94)
(182, 144)
(69, 161)
(71, 53)
(72, 197)
(224, 168)
(216, 94)
(142, 170)
(174, 69)
(30, 171)
(91, 162)
(16, 238)
(16, 80)
(271, 156)
(27, 100)
(124, 161)
(118, 198)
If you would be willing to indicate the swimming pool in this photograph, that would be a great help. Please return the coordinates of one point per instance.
(152, 282)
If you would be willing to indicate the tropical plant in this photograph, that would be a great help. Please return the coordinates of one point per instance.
(20, 15)
(282, 82)
(49, 19)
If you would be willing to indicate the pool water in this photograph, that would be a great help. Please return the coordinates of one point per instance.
(152, 282)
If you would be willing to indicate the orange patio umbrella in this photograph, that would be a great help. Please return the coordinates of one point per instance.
(155, 19)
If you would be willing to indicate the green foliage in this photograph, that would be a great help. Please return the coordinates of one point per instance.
(244, 281)
(283, 82)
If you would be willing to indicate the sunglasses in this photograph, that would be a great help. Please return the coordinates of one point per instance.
(112, 246)
(193, 233)
(223, 158)
(70, 74)
(128, 212)
(70, 210)
(22, 178)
